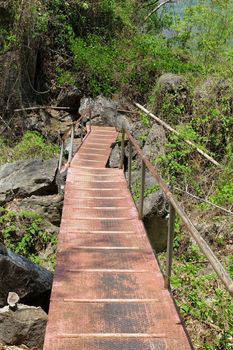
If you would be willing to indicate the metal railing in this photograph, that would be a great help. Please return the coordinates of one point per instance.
(71, 133)
(174, 208)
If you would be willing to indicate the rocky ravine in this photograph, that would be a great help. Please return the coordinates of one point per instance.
(36, 185)
(31, 185)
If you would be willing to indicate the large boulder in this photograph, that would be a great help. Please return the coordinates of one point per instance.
(155, 143)
(172, 82)
(6, 10)
(69, 97)
(26, 326)
(213, 92)
(155, 213)
(114, 160)
(50, 207)
(170, 98)
(31, 282)
(28, 177)
(103, 110)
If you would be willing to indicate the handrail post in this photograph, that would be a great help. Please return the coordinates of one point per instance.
(122, 149)
(61, 155)
(130, 165)
(71, 144)
(143, 173)
(90, 119)
(170, 240)
(82, 130)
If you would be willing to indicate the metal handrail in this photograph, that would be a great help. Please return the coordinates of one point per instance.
(70, 133)
(174, 207)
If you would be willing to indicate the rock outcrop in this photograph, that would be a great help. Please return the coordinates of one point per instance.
(171, 98)
(49, 207)
(31, 282)
(155, 213)
(33, 185)
(29, 177)
(26, 326)
(69, 97)
(155, 142)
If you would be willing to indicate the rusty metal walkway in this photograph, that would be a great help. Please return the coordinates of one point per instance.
(108, 291)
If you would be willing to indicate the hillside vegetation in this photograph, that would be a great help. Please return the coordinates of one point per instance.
(120, 49)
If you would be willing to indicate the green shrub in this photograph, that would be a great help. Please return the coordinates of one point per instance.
(124, 64)
(24, 233)
(32, 145)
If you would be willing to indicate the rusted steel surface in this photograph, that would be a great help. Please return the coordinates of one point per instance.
(108, 291)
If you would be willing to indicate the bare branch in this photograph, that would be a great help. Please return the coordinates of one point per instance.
(41, 107)
(157, 8)
(203, 200)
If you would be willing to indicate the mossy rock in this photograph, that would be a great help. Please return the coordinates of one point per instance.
(170, 99)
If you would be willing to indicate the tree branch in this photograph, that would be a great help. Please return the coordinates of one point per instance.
(156, 9)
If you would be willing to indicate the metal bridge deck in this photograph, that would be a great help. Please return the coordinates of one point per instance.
(108, 291)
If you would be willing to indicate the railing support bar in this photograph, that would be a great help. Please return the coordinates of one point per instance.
(82, 130)
(122, 150)
(143, 174)
(170, 240)
(90, 119)
(71, 144)
(61, 155)
(203, 245)
(130, 165)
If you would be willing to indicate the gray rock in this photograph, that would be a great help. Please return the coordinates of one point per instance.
(154, 217)
(3, 199)
(170, 98)
(122, 121)
(69, 97)
(114, 160)
(50, 207)
(13, 300)
(25, 178)
(6, 9)
(212, 91)
(155, 203)
(103, 110)
(172, 82)
(155, 142)
(31, 282)
(38, 121)
(205, 90)
(26, 326)
(3, 250)
(136, 180)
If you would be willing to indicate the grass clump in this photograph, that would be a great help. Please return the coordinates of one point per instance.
(32, 145)
(204, 304)
(24, 232)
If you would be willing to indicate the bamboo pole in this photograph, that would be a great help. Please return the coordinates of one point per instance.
(204, 247)
(168, 127)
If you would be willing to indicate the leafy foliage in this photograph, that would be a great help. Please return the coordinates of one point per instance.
(32, 145)
(205, 31)
(204, 304)
(25, 233)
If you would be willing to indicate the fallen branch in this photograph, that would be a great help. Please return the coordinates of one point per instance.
(127, 111)
(41, 107)
(168, 127)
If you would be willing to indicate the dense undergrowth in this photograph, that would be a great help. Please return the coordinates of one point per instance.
(110, 48)
(204, 304)
(32, 145)
(26, 233)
